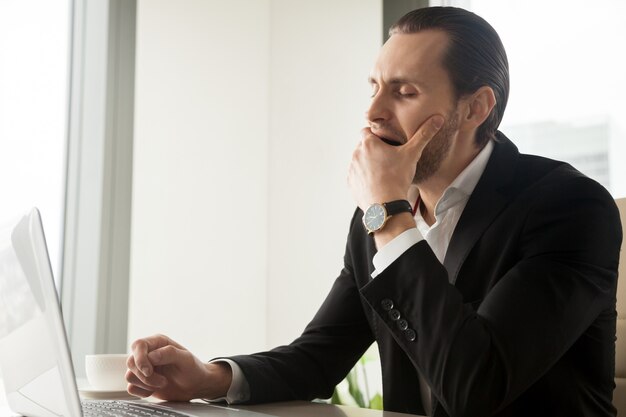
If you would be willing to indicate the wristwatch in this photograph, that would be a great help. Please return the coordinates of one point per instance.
(376, 215)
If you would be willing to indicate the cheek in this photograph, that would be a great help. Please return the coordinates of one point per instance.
(412, 117)
(410, 121)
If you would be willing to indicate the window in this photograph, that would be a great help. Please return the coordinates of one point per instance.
(568, 81)
(34, 57)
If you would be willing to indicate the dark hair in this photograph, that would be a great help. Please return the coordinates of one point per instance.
(475, 56)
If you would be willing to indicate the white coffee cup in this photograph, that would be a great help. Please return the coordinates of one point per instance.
(107, 371)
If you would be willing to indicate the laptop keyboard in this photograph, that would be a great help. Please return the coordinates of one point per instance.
(103, 408)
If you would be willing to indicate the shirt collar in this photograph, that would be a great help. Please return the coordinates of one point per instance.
(468, 178)
(463, 185)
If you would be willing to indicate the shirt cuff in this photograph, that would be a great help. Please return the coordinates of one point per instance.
(392, 250)
(239, 390)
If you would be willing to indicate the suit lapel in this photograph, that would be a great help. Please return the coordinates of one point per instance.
(484, 205)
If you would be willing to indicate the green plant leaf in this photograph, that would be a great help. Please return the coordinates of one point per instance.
(336, 398)
(376, 403)
(353, 389)
(358, 392)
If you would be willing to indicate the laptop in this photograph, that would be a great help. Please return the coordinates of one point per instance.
(35, 361)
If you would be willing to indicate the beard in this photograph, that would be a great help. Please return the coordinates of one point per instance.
(437, 149)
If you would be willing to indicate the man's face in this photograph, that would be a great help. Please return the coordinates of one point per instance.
(409, 85)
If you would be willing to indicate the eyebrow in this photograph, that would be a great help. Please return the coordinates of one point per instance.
(397, 80)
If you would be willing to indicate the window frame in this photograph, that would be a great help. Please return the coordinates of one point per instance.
(96, 248)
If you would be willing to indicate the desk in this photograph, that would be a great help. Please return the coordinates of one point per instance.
(308, 409)
(284, 409)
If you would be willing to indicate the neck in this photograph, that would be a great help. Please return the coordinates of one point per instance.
(432, 188)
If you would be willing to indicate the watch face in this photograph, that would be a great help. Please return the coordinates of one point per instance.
(374, 217)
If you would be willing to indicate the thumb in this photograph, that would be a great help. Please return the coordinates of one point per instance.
(424, 134)
(168, 355)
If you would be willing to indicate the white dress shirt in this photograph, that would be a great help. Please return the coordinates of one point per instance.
(239, 390)
(448, 210)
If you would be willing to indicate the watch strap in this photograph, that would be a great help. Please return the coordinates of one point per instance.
(397, 206)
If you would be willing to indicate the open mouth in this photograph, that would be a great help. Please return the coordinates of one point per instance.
(391, 142)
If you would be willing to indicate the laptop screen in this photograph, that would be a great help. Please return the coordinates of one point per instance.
(34, 358)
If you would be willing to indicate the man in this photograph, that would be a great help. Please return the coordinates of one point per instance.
(491, 288)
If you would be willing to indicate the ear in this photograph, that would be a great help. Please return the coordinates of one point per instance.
(479, 106)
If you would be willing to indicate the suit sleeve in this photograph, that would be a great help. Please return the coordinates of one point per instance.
(477, 361)
(313, 364)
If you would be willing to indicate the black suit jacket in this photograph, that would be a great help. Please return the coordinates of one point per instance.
(519, 321)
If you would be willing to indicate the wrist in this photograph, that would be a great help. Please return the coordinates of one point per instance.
(385, 198)
(219, 376)
(396, 225)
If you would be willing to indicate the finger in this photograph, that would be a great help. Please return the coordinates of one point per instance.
(425, 133)
(365, 132)
(133, 374)
(138, 392)
(168, 355)
(368, 137)
(133, 379)
(140, 356)
(142, 347)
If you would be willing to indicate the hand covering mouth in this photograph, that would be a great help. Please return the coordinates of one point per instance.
(388, 139)
(391, 142)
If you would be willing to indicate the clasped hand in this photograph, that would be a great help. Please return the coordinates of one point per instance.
(162, 368)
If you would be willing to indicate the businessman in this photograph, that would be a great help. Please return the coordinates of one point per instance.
(487, 277)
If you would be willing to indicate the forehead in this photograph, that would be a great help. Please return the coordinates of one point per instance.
(413, 56)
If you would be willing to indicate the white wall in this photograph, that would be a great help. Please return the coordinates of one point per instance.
(199, 222)
(247, 113)
(322, 52)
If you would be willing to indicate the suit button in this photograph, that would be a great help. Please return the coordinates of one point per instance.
(410, 335)
(387, 304)
(403, 324)
(394, 315)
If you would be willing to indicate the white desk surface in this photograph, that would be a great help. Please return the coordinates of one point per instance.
(284, 409)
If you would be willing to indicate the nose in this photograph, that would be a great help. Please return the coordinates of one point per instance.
(379, 109)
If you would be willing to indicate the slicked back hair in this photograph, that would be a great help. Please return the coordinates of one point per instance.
(475, 56)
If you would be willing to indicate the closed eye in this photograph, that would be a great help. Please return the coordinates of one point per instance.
(406, 91)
